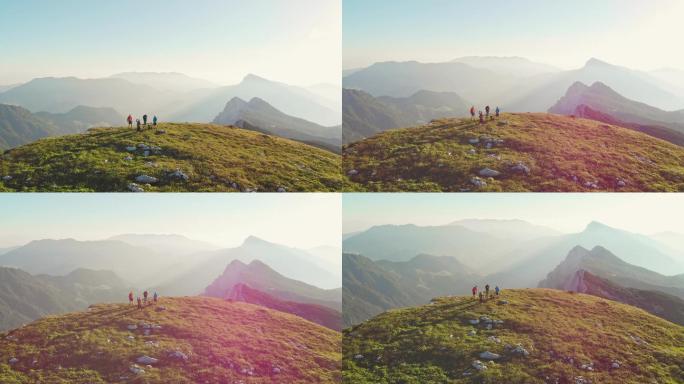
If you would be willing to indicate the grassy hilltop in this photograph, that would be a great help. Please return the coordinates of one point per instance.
(195, 339)
(527, 151)
(540, 335)
(209, 158)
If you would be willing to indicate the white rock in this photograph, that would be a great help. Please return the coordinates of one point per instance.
(133, 187)
(128, 158)
(487, 172)
(146, 179)
(480, 366)
(489, 355)
(474, 321)
(132, 327)
(178, 355)
(146, 360)
(474, 141)
(521, 168)
(476, 181)
(178, 175)
(472, 332)
(137, 370)
(615, 365)
(358, 357)
(352, 172)
(13, 360)
(7, 178)
(130, 149)
(281, 189)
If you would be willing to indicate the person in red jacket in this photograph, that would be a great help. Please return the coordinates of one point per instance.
(475, 291)
(130, 298)
(129, 119)
(472, 112)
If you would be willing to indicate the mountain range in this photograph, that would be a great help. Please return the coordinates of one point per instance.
(600, 102)
(515, 84)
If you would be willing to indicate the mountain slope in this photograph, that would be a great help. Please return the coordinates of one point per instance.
(170, 243)
(563, 334)
(532, 152)
(165, 81)
(19, 126)
(261, 277)
(195, 340)
(370, 287)
(599, 102)
(292, 100)
(25, 297)
(81, 118)
(604, 264)
(318, 314)
(259, 113)
(515, 66)
(365, 115)
(214, 158)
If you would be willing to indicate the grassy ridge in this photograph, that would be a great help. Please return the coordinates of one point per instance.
(225, 342)
(561, 153)
(215, 158)
(561, 332)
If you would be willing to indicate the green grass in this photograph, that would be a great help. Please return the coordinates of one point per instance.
(431, 344)
(216, 158)
(220, 338)
(562, 153)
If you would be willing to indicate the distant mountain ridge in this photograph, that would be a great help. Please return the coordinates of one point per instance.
(19, 126)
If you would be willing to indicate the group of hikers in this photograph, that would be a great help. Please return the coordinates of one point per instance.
(483, 116)
(484, 296)
(129, 120)
(144, 301)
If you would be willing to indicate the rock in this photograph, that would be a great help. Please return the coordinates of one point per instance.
(621, 183)
(581, 380)
(146, 360)
(472, 332)
(276, 370)
(487, 172)
(132, 327)
(160, 131)
(178, 175)
(133, 187)
(131, 337)
(502, 302)
(358, 357)
(615, 365)
(591, 184)
(472, 151)
(352, 172)
(476, 181)
(146, 179)
(485, 319)
(521, 168)
(480, 366)
(147, 332)
(13, 360)
(178, 355)
(281, 189)
(494, 339)
(520, 351)
(146, 153)
(160, 308)
(489, 326)
(489, 356)
(130, 149)
(128, 158)
(137, 370)
(474, 321)
(501, 122)
(474, 141)
(143, 146)
(7, 178)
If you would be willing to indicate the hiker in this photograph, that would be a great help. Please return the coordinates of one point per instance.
(475, 291)
(145, 119)
(145, 297)
(496, 289)
(481, 298)
(139, 303)
(154, 121)
(129, 119)
(487, 111)
(155, 296)
(497, 111)
(130, 298)
(487, 290)
(472, 112)
(481, 118)
(137, 123)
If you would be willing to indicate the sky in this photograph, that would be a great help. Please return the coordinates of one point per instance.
(292, 41)
(645, 213)
(298, 220)
(637, 34)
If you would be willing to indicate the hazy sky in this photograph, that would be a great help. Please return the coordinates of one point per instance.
(634, 33)
(299, 220)
(293, 41)
(646, 213)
